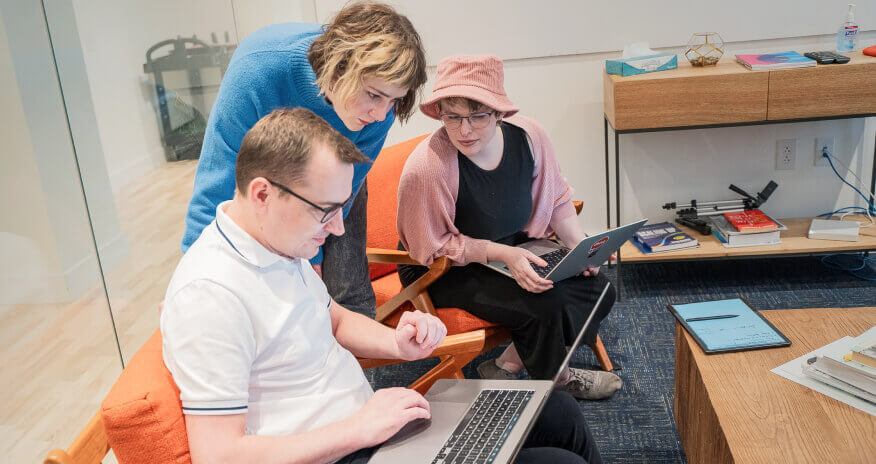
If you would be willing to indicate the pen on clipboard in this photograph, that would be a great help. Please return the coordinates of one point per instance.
(709, 318)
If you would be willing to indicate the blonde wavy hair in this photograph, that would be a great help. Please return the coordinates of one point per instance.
(369, 39)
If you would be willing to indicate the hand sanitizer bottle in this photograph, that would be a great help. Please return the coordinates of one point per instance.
(847, 34)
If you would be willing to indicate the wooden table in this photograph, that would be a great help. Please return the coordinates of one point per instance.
(729, 95)
(729, 408)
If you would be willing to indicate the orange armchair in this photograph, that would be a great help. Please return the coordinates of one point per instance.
(393, 298)
(468, 336)
(141, 418)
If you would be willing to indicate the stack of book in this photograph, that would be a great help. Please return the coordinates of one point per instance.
(851, 369)
(662, 237)
(746, 228)
(864, 351)
(782, 60)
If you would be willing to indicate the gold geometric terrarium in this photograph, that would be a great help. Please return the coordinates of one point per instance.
(704, 49)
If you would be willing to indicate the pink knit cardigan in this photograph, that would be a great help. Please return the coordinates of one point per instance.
(430, 183)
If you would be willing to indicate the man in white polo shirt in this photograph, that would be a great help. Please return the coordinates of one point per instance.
(264, 359)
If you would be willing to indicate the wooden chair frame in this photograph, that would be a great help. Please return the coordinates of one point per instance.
(457, 350)
(89, 447)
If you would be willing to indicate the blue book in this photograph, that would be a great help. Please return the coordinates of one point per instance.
(662, 237)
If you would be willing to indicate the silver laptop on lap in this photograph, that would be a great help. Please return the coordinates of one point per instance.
(475, 421)
(564, 262)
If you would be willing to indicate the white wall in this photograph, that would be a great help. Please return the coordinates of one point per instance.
(514, 29)
(251, 15)
(564, 93)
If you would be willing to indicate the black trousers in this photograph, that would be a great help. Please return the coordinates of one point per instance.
(542, 325)
(560, 435)
(345, 266)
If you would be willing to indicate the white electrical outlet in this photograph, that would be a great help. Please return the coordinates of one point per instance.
(821, 143)
(786, 154)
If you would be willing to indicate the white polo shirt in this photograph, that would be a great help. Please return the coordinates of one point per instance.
(248, 331)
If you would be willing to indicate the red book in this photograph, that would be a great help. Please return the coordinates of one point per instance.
(751, 221)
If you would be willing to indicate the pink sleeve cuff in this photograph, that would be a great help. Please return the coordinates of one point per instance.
(475, 250)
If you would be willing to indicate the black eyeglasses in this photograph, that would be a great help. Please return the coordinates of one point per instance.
(476, 120)
(327, 213)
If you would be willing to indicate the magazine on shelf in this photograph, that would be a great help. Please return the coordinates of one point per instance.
(662, 237)
(781, 60)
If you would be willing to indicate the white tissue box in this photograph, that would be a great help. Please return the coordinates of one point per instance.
(641, 64)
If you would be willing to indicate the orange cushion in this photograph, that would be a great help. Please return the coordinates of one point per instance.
(142, 413)
(382, 200)
(456, 320)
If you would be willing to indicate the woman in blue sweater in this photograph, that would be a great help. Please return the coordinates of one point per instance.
(359, 73)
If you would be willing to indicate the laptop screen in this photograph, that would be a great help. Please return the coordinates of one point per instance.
(580, 335)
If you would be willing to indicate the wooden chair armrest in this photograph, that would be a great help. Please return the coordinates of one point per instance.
(384, 256)
(467, 342)
(415, 290)
(90, 445)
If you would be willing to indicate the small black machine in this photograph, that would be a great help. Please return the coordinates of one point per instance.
(692, 214)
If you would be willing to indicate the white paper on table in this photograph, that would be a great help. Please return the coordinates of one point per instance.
(793, 370)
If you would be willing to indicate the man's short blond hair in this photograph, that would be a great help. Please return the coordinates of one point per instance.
(369, 39)
(280, 145)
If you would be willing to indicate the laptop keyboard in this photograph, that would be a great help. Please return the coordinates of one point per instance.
(483, 430)
(553, 258)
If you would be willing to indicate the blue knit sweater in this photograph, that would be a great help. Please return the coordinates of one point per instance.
(269, 70)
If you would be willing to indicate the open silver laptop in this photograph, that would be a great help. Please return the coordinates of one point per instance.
(475, 421)
(564, 262)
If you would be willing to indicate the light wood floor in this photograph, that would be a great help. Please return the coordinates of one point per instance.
(59, 360)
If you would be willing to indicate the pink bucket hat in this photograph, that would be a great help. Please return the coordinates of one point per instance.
(478, 77)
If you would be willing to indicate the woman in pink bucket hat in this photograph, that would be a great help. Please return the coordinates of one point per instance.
(486, 181)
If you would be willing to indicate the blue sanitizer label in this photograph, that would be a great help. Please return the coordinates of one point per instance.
(845, 40)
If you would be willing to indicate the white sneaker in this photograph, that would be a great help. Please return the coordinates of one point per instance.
(490, 370)
(591, 385)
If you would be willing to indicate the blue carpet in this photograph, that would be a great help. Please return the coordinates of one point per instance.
(636, 425)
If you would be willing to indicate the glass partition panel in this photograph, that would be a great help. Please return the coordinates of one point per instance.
(140, 78)
(58, 350)
(105, 104)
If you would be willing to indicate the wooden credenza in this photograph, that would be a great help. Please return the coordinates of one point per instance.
(729, 95)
